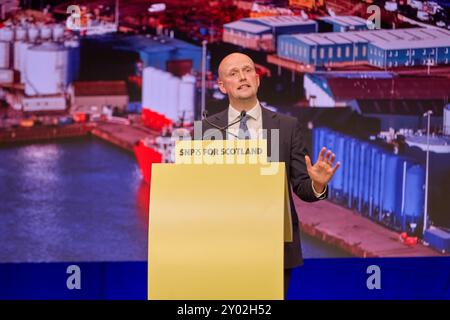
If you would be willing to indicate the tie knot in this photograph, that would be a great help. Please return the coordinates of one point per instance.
(245, 118)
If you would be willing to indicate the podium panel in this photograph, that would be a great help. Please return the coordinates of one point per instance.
(216, 232)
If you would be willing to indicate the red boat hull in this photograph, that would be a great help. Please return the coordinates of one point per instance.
(146, 156)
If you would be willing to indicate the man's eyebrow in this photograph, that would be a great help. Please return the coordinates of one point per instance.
(243, 67)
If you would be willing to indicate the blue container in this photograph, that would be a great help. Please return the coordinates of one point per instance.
(353, 171)
(319, 141)
(391, 188)
(346, 168)
(316, 134)
(356, 163)
(329, 140)
(134, 107)
(336, 142)
(315, 141)
(438, 239)
(375, 182)
(413, 208)
(338, 178)
(364, 177)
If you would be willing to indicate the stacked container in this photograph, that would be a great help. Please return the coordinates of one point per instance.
(377, 183)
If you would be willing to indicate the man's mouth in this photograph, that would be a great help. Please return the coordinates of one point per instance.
(243, 86)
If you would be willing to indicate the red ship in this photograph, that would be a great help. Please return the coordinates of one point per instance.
(159, 148)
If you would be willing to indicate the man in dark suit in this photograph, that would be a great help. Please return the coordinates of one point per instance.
(239, 80)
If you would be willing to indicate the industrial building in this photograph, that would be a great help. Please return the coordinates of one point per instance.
(248, 35)
(262, 33)
(323, 49)
(28, 52)
(341, 24)
(93, 97)
(380, 48)
(398, 102)
(161, 52)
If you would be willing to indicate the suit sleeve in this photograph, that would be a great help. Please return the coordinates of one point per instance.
(300, 181)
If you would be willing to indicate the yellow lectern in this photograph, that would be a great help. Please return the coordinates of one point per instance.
(217, 232)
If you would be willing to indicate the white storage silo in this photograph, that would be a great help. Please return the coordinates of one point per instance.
(20, 34)
(156, 87)
(20, 51)
(58, 32)
(187, 97)
(16, 63)
(149, 87)
(46, 68)
(4, 54)
(162, 85)
(46, 32)
(171, 97)
(152, 87)
(6, 34)
(146, 88)
(33, 33)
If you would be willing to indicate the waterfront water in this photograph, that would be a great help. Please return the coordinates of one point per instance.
(80, 200)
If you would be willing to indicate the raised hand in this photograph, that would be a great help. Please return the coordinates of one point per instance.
(322, 171)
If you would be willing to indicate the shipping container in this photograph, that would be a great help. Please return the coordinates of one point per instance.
(386, 187)
(375, 182)
(337, 184)
(413, 206)
(364, 177)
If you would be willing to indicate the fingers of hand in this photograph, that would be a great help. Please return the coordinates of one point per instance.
(327, 157)
(308, 162)
(321, 154)
(333, 156)
(336, 167)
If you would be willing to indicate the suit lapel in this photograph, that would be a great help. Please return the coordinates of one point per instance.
(270, 121)
(221, 118)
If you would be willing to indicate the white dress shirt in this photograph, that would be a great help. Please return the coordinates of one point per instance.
(255, 128)
(254, 122)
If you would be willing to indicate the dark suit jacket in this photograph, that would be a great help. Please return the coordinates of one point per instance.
(292, 152)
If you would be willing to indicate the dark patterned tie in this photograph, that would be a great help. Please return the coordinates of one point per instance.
(244, 134)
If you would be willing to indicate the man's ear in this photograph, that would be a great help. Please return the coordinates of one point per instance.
(258, 80)
(221, 87)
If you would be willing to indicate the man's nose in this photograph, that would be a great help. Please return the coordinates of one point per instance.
(242, 75)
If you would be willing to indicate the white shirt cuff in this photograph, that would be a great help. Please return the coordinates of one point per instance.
(317, 194)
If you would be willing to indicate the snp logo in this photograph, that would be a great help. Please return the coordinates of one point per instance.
(374, 280)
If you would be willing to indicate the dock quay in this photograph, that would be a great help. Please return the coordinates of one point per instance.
(353, 233)
(41, 133)
(121, 135)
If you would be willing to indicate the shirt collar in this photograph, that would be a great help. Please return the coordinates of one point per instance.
(254, 113)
